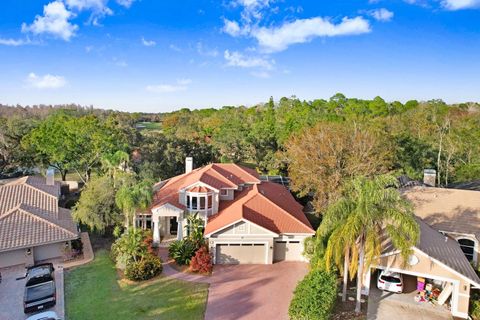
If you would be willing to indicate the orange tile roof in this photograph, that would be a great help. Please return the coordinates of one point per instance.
(199, 189)
(218, 176)
(268, 204)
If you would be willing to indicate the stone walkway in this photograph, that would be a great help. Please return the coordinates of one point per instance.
(169, 271)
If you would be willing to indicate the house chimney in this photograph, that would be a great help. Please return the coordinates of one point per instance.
(429, 177)
(188, 164)
(50, 178)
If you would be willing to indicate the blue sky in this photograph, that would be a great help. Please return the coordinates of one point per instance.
(161, 55)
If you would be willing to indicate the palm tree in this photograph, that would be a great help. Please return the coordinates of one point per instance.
(129, 198)
(357, 224)
(113, 163)
(125, 200)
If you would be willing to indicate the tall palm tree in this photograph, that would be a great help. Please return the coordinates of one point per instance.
(113, 163)
(125, 200)
(357, 224)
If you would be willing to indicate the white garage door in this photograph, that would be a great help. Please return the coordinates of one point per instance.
(48, 251)
(12, 258)
(246, 253)
(289, 250)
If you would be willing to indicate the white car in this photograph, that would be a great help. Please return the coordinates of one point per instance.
(390, 281)
(47, 315)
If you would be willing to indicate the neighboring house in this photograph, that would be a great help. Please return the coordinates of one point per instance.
(246, 220)
(435, 257)
(32, 225)
(449, 221)
(453, 212)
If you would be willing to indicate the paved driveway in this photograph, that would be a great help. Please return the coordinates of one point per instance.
(385, 305)
(11, 293)
(253, 291)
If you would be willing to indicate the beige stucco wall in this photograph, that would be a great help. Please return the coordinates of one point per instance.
(244, 231)
(430, 268)
(15, 257)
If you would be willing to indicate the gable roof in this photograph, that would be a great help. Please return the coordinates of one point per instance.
(442, 248)
(31, 191)
(217, 175)
(450, 210)
(30, 215)
(268, 205)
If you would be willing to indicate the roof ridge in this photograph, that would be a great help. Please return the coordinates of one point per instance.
(284, 211)
(10, 211)
(218, 173)
(40, 190)
(248, 173)
(37, 216)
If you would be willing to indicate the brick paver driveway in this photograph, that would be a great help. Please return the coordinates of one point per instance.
(253, 291)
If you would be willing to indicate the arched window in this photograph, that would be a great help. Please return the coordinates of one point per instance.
(468, 247)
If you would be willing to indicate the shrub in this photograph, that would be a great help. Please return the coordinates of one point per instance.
(130, 247)
(201, 261)
(182, 251)
(475, 305)
(314, 297)
(148, 267)
(148, 241)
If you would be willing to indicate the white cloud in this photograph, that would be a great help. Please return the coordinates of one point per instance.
(232, 28)
(236, 59)
(252, 9)
(54, 22)
(381, 14)
(14, 42)
(47, 81)
(181, 85)
(303, 30)
(460, 4)
(174, 48)
(98, 7)
(206, 51)
(125, 3)
(148, 43)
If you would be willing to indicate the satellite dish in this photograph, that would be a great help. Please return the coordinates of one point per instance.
(413, 260)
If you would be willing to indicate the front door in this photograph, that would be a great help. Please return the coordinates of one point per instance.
(173, 226)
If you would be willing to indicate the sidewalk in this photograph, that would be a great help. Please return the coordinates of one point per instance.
(169, 271)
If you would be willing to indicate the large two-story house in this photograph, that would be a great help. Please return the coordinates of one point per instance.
(246, 220)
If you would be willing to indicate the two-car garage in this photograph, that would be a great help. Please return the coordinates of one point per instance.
(252, 252)
(241, 253)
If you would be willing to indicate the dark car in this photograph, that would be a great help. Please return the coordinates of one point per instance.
(40, 273)
(39, 297)
(40, 291)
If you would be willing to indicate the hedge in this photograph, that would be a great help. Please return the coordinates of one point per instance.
(314, 297)
(146, 268)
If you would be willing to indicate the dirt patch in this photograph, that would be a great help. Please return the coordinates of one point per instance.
(346, 310)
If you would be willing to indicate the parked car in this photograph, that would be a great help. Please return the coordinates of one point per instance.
(39, 297)
(40, 273)
(47, 315)
(390, 281)
(40, 291)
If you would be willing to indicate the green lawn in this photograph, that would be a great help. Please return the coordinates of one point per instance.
(151, 125)
(94, 291)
